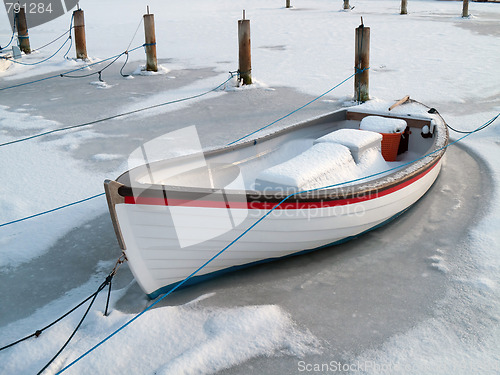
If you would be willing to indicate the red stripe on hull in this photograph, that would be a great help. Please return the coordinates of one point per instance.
(257, 205)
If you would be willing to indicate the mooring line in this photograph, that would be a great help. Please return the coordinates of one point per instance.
(51, 210)
(114, 116)
(298, 109)
(139, 110)
(488, 123)
(92, 123)
(45, 45)
(13, 33)
(44, 60)
(70, 71)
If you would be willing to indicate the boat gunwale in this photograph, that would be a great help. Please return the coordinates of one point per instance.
(363, 187)
(323, 195)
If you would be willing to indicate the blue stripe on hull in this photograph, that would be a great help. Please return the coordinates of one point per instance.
(201, 278)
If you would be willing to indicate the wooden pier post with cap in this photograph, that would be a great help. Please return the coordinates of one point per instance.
(149, 31)
(80, 42)
(245, 54)
(22, 31)
(362, 63)
(404, 6)
(465, 9)
(346, 5)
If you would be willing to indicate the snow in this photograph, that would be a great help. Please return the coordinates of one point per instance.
(352, 138)
(327, 162)
(357, 141)
(44, 163)
(322, 164)
(188, 339)
(422, 296)
(383, 124)
(141, 70)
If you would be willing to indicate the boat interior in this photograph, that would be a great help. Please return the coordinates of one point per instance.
(331, 149)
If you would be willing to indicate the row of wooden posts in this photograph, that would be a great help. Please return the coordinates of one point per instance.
(361, 58)
(80, 44)
(80, 40)
(404, 6)
(362, 51)
(79, 30)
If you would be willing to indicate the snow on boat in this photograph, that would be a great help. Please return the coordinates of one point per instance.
(311, 185)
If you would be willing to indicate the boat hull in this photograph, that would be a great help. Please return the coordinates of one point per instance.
(159, 263)
(175, 231)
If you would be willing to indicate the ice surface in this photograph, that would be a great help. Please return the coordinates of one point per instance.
(188, 339)
(380, 299)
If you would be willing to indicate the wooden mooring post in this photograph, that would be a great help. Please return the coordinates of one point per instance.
(22, 31)
(404, 6)
(245, 52)
(80, 42)
(346, 5)
(362, 63)
(288, 4)
(465, 9)
(149, 31)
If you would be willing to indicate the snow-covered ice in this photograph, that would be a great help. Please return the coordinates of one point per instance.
(420, 295)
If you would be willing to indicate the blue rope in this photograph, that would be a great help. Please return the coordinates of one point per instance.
(28, 83)
(171, 102)
(12, 37)
(298, 109)
(113, 117)
(41, 61)
(87, 124)
(55, 53)
(162, 104)
(68, 72)
(69, 48)
(248, 230)
(99, 62)
(59, 37)
(52, 210)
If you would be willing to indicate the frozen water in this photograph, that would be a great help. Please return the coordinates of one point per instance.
(381, 299)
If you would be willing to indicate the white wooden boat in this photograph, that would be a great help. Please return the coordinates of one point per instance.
(174, 215)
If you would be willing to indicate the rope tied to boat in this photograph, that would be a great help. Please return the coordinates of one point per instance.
(107, 282)
(178, 285)
(122, 259)
(295, 110)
